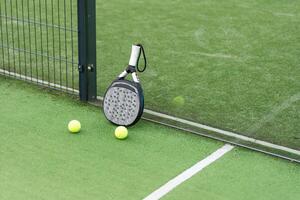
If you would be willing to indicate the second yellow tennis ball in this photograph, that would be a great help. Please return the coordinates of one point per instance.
(74, 126)
(178, 101)
(121, 132)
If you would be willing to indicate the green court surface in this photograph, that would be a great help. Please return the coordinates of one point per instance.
(40, 159)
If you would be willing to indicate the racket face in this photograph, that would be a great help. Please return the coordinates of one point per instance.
(123, 102)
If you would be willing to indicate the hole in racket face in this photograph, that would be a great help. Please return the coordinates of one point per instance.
(121, 105)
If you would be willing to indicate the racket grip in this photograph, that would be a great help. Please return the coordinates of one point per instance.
(135, 53)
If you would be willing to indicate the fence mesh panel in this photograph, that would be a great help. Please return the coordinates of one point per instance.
(39, 41)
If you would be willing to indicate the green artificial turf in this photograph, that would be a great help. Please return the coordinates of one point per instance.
(234, 63)
(40, 159)
(243, 175)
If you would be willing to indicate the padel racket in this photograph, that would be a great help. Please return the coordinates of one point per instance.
(123, 102)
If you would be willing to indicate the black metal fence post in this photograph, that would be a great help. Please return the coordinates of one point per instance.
(87, 49)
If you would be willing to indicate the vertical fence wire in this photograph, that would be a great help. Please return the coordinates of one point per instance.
(59, 41)
(53, 39)
(12, 36)
(7, 38)
(35, 41)
(29, 34)
(1, 34)
(66, 49)
(47, 43)
(18, 39)
(41, 38)
(24, 40)
(72, 41)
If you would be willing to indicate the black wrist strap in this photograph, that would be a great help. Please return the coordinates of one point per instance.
(145, 60)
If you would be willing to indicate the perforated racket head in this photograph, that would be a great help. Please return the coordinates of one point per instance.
(123, 102)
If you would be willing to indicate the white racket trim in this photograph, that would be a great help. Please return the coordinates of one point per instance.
(123, 74)
(135, 77)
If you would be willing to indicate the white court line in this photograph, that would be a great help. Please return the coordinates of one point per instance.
(166, 188)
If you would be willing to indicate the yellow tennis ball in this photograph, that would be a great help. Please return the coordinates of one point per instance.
(179, 101)
(74, 126)
(121, 132)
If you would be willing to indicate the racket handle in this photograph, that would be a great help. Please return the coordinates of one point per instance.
(135, 54)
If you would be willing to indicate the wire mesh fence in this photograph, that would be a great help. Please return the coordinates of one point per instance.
(39, 41)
